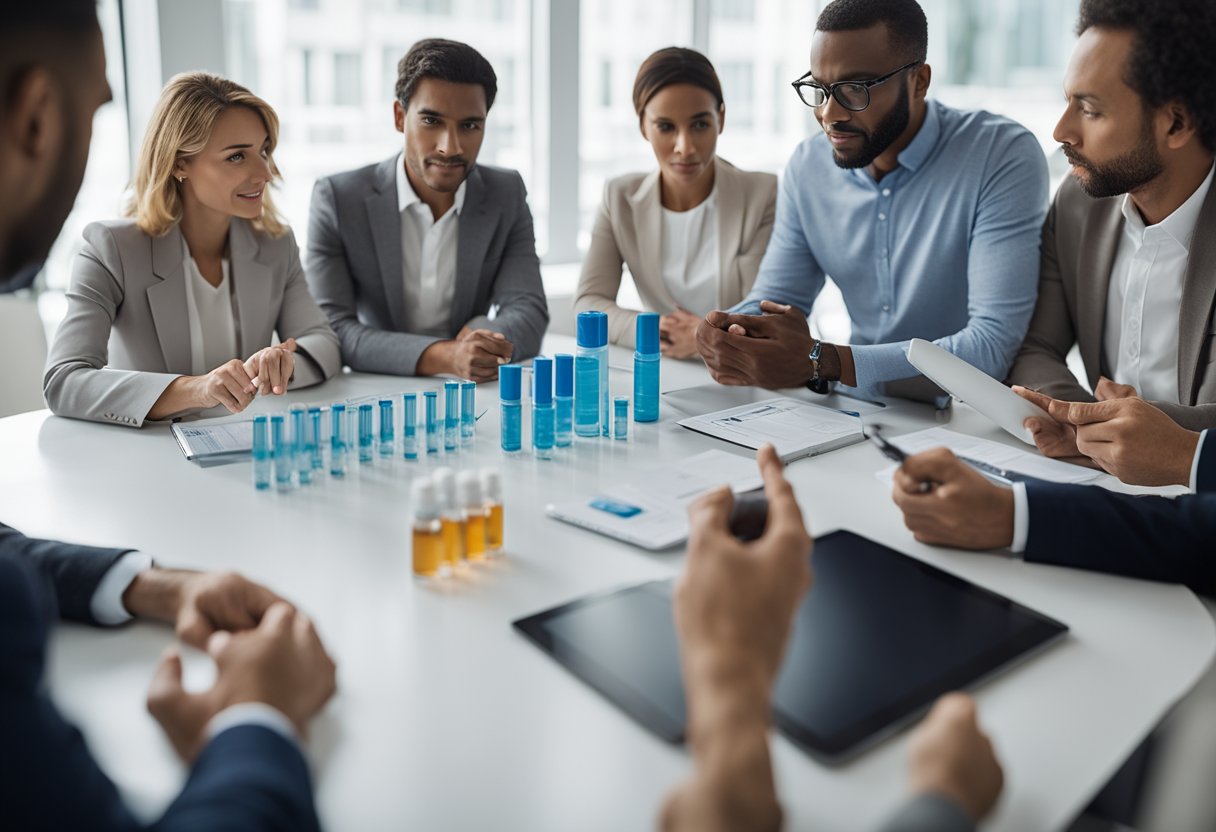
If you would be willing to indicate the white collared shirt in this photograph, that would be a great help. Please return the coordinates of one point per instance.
(689, 244)
(428, 257)
(211, 319)
(1145, 294)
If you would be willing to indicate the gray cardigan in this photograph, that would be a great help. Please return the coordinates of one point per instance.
(126, 335)
(355, 266)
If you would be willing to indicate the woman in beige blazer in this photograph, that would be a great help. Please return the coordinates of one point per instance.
(173, 311)
(691, 232)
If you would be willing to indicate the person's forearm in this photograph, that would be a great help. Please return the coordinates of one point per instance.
(732, 786)
(177, 398)
(436, 359)
(155, 593)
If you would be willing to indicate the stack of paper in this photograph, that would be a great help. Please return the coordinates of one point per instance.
(795, 428)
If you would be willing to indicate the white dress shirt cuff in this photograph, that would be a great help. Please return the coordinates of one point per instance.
(1195, 461)
(1021, 518)
(106, 603)
(252, 713)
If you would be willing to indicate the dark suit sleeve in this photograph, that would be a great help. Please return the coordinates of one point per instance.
(1205, 479)
(523, 312)
(1041, 362)
(1154, 538)
(70, 573)
(929, 813)
(248, 778)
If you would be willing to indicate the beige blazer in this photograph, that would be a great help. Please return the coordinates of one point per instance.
(1080, 240)
(628, 228)
(126, 335)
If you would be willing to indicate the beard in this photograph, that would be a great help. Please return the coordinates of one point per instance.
(31, 239)
(1134, 169)
(875, 143)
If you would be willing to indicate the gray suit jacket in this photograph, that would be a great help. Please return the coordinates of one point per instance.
(628, 230)
(126, 335)
(1080, 239)
(356, 273)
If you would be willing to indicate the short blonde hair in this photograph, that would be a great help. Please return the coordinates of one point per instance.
(181, 125)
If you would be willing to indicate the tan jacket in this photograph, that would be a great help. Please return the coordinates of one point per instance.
(1080, 240)
(126, 335)
(628, 228)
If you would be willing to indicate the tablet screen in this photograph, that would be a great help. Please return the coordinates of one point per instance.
(879, 637)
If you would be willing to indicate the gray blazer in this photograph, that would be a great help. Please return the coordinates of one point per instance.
(126, 335)
(1080, 239)
(356, 273)
(628, 228)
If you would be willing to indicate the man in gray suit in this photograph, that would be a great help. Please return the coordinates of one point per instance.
(426, 262)
(1129, 247)
(734, 609)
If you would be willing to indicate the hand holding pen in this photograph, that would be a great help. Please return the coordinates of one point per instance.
(959, 508)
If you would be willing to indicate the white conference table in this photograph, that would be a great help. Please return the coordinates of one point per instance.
(447, 719)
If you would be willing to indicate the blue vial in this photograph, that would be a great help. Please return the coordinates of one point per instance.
(468, 412)
(620, 417)
(314, 434)
(367, 432)
(299, 436)
(586, 395)
(433, 428)
(387, 442)
(409, 425)
(261, 453)
(563, 399)
(646, 369)
(511, 423)
(451, 412)
(284, 459)
(542, 407)
(337, 440)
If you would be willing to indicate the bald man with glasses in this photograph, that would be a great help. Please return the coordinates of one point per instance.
(926, 217)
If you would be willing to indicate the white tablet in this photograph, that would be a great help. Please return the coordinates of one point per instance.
(975, 387)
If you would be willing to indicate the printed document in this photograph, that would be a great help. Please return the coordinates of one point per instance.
(996, 454)
(795, 428)
(216, 443)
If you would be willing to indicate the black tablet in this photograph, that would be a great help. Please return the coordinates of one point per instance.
(879, 637)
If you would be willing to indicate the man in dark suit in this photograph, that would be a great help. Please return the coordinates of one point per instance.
(273, 675)
(409, 257)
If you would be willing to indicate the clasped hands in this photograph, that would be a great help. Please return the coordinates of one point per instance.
(474, 354)
(767, 350)
(264, 649)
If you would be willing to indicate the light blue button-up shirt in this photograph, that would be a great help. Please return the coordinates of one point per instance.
(945, 247)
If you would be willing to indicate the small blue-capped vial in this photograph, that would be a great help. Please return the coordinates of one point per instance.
(261, 452)
(409, 425)
(510, 385)
(433, 428)
(451, 414)
(542, 407)
(620, 417)
(563, 399)
(316, 457)
(284, 459)
(367, 432)
(468, 412)
(337, 440)
(299, 436)
(387, 442)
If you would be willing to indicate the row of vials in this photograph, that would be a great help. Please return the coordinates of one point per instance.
(289, 449)
(571, 395)
(458, 520)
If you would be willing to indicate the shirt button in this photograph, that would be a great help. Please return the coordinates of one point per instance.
(884, 254)
(886, 191)
(882, 217)
(886, 308)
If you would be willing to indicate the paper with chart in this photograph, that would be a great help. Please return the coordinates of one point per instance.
(997, 454)
(213, 443)
(653, 512)
(795, 428)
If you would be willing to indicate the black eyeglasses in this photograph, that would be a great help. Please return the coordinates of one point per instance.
(852, 95)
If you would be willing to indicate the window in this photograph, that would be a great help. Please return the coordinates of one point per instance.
(348, 79)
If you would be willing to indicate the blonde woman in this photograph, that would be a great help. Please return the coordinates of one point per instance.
(693, 230)
(172, 310)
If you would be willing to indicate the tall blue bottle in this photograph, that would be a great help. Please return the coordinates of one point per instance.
(563, 399)
(262, 454)
(510, 423)
(646, 369)
(388, 443)
(542, 407)
(367, 435)
(451, 410)
(590, 376)
(337, 441)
